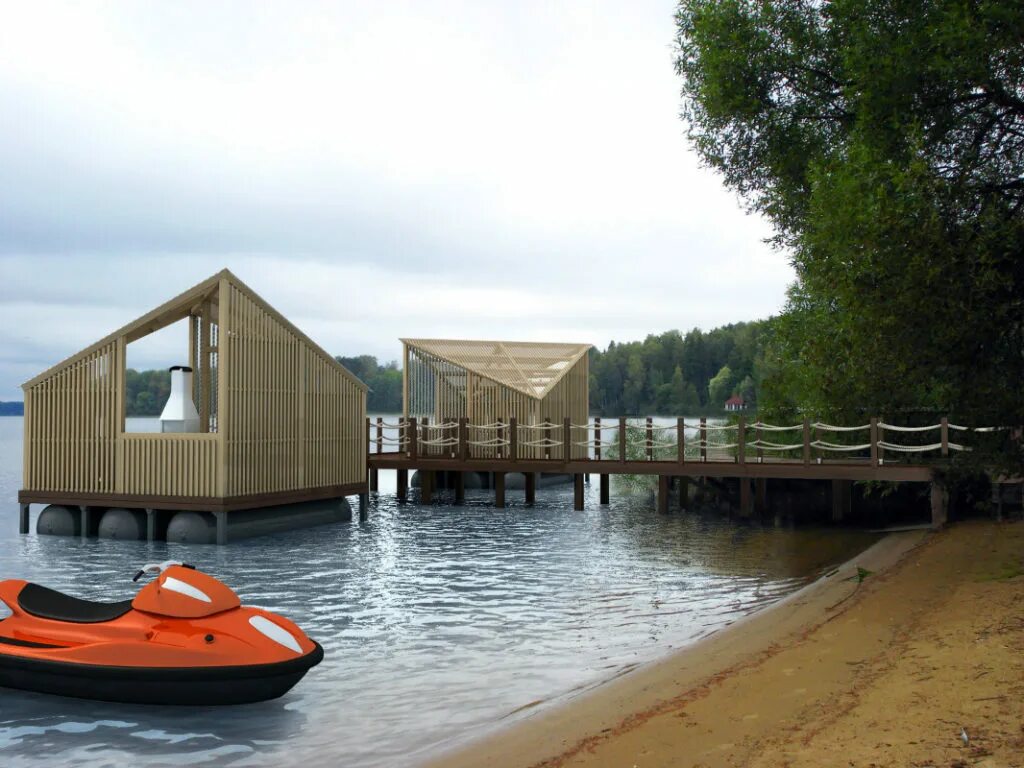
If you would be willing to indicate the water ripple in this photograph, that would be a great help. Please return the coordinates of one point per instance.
(436, 621)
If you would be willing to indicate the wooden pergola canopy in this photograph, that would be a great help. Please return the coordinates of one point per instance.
(530, 367)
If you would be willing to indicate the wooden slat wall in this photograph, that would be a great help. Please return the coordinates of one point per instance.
(296, 417)
(443, 392)
(203, 360)
(570, 397)
(168, 464)
(71, 424)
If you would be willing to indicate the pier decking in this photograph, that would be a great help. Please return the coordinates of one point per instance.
(851, 453)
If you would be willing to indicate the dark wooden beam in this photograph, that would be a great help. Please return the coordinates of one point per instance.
(499, 490)
(663, 494)
(460, 487)
(403, 484)
(787, 469)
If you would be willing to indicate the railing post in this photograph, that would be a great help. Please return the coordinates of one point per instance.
(463, 438)
(807, 441)
(703, 438)
(944, 435)
(380, 434)
(650, 440)
(873, 439)
(881, 439)
(757, 439)
(622, 439)
(741, 441)
(566, 439)
(369, 434)
(499, 449)
(817, 438)
(412, 433)
(425, 435)
(680, 441)
(547, 435)
(597, 438)
(513, 438)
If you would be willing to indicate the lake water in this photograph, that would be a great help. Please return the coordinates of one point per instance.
(438, 622)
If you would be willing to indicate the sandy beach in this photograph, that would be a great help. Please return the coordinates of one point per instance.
(920, 664)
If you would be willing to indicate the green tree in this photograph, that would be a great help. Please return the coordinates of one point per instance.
(747, 391)
(384, 382)
(633, 390)
(144, 404)
(669, 373)
(885, 141)
(720, 386)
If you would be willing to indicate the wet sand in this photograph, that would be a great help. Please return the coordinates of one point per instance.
(890, 672)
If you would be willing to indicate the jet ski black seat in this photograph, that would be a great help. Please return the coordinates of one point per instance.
(48, 603)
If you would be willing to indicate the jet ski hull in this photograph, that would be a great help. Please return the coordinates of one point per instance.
(185, 686)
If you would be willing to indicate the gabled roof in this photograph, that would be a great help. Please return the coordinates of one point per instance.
(530, 367)
(180, 307)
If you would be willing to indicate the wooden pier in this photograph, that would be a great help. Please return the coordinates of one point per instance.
(742, 451)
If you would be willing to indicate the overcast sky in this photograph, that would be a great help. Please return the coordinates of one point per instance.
(433, 169)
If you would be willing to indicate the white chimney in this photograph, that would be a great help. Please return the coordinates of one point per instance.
(180, 414)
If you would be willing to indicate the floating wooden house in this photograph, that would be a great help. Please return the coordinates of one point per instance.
(271, 419)
(492, 381)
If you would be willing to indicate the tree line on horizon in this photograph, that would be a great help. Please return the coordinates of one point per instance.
(673, 374)
(665, 374)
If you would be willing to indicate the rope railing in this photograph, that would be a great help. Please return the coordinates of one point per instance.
(772, 427)
(894, 428)
(442, 427)
(823, 445)
(494, 442)
(387, 440)
(543, 426)
(918, 448)
(544, 442)
(655, 439)
(765, 445)
(833, 428)
(440, 442)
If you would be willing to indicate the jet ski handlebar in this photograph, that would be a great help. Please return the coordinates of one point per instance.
(158, 568)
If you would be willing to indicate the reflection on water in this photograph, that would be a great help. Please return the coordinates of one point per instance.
(437, 621)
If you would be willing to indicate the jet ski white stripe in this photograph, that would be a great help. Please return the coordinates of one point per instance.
(184, 588)
(275, 632)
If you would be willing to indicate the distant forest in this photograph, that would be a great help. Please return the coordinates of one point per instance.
(670, 374)
(147, 391)
(384, 381)
(674, 374)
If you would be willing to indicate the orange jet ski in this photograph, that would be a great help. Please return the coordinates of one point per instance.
(185, 639)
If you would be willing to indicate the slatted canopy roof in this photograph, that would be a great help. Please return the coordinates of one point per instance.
(530, 367)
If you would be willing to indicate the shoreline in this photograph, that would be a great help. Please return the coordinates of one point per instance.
(741, 695)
